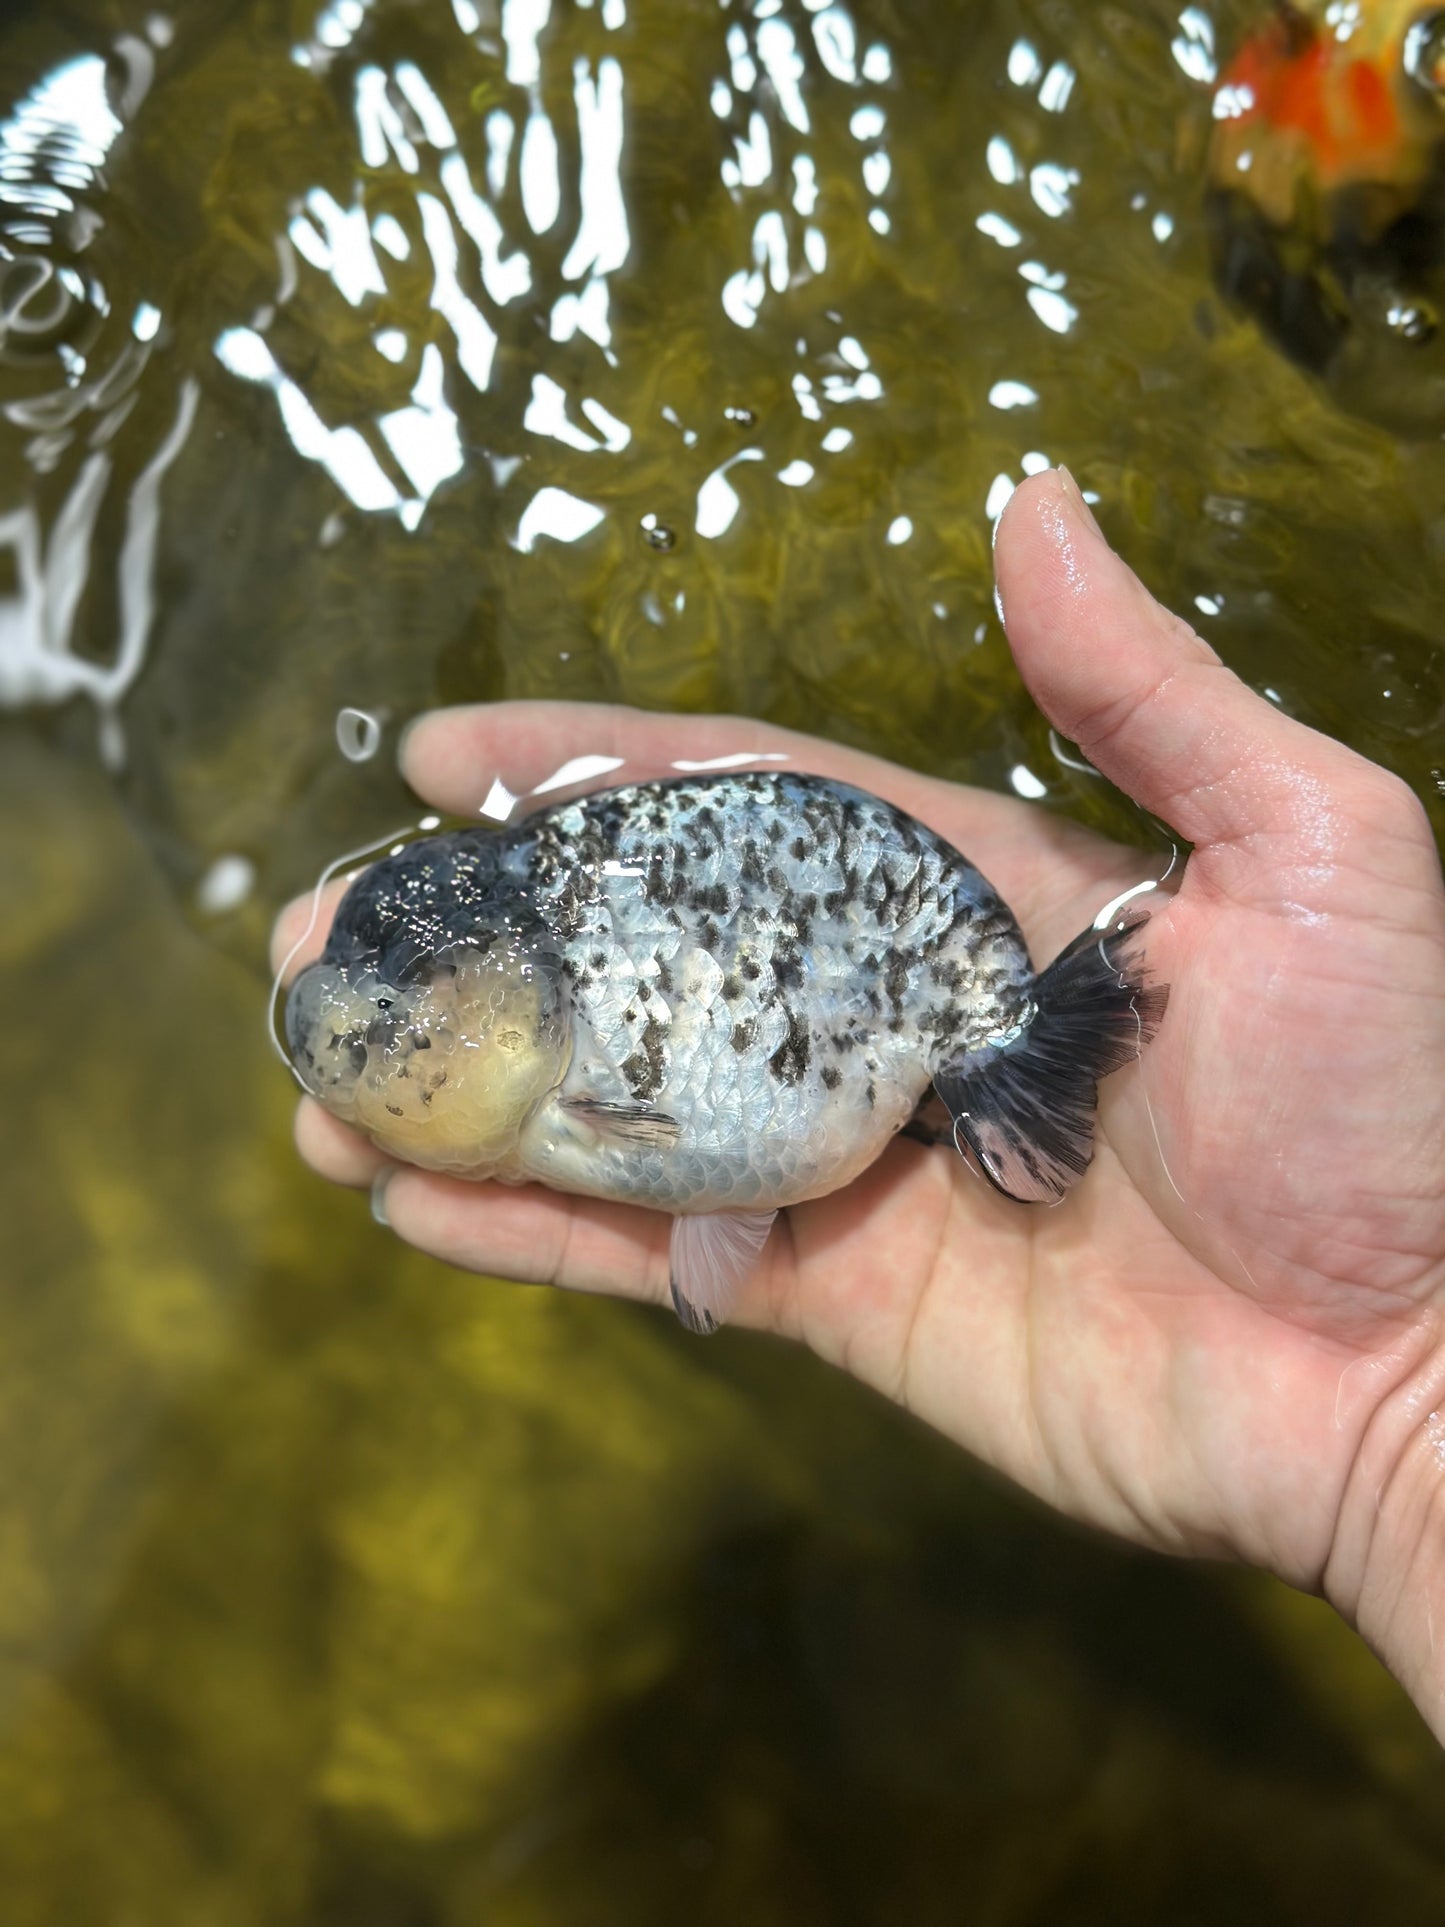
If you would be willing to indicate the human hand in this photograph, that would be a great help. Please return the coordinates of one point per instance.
(1229, 1338)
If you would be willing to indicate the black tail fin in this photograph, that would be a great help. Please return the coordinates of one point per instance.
(1025, 1106)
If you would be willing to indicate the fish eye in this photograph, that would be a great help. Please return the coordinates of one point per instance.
(1425, 51)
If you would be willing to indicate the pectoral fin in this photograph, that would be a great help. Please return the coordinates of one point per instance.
(630, 1123)
(712, 1257)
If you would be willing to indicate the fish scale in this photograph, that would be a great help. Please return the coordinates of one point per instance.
(709, 995)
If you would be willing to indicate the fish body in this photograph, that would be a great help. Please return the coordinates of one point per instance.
(715, 996)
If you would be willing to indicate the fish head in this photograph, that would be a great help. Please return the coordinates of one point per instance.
(436, 1042)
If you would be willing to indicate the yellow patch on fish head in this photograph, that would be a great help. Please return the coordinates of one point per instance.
(442, 1073)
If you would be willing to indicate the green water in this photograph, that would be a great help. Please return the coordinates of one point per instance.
(335, 1586)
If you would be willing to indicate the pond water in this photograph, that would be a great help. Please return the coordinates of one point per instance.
(355, 357)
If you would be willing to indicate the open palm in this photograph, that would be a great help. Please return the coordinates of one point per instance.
(1228, 1338)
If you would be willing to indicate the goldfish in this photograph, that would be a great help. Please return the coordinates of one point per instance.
(715, 996)
(1327, 168)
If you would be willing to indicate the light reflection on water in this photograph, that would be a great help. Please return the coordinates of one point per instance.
(673, 353)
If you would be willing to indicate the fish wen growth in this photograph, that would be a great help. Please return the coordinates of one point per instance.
(713, 996)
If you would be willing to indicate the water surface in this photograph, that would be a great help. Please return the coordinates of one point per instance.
(360, 357)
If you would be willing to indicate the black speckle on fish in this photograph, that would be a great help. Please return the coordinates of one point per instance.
(870, 957)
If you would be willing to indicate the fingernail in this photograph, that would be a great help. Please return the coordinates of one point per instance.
(1078, 507)
(378, 1197)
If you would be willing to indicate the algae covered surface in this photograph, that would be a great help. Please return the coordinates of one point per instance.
(357, 357)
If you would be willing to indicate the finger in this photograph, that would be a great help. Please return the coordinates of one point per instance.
(298, 935)
(335, 1152)
(452, 757)
(1040, 863)
(1273, 805)
(531, 1235)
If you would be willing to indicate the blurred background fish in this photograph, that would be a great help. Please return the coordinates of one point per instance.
(1327, 189)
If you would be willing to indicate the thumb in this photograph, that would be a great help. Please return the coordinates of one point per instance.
(1276, 811)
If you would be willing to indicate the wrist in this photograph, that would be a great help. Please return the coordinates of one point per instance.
(1386, 1570)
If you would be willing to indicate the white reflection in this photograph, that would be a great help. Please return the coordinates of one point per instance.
(341, 452)
(1058, 85)
(37, 623)
(999, 495)
(146, 323)
(358, 734)
(754, 161)
(742, 296)
(867, 387)
(1232, 103)
(807, 401)
(1026, 783)
(837, 44)
(541, 189)
(547, 415)
(853, 352)
(476, 339)
(1001, 162)
(552, 511)
(868, 123)
(522, 24)
(1208, 605)
(770, 247)
(717, 499)
(796, 474)
(837, 439)
(585, 314)
(737, 760)
(900, 529)
(67, 118)
(1162, 226)
(379, 126)
(1053, 310)
(424, 437)
(500, 135)
(877, 63)
(1193, 46)
(805, 185)
(815, 249)
(1035, 462)
(1051, 187)
(1011, 394)
(468, 19)
(779, 54)
(998, 229)
(1024, 65)
(226, 885)
(337, 25)
(498, 803)
(744, 72)
(390, 236)
(877, 171)
(581, 769)
(721, 99)
(614, 14)
(337, 241)
(503, 279)
(428, 109)
(602, 240)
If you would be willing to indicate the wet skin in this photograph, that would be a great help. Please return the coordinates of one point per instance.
(1230, 1340)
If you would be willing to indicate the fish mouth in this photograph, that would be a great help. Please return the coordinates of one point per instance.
(442, 1071)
